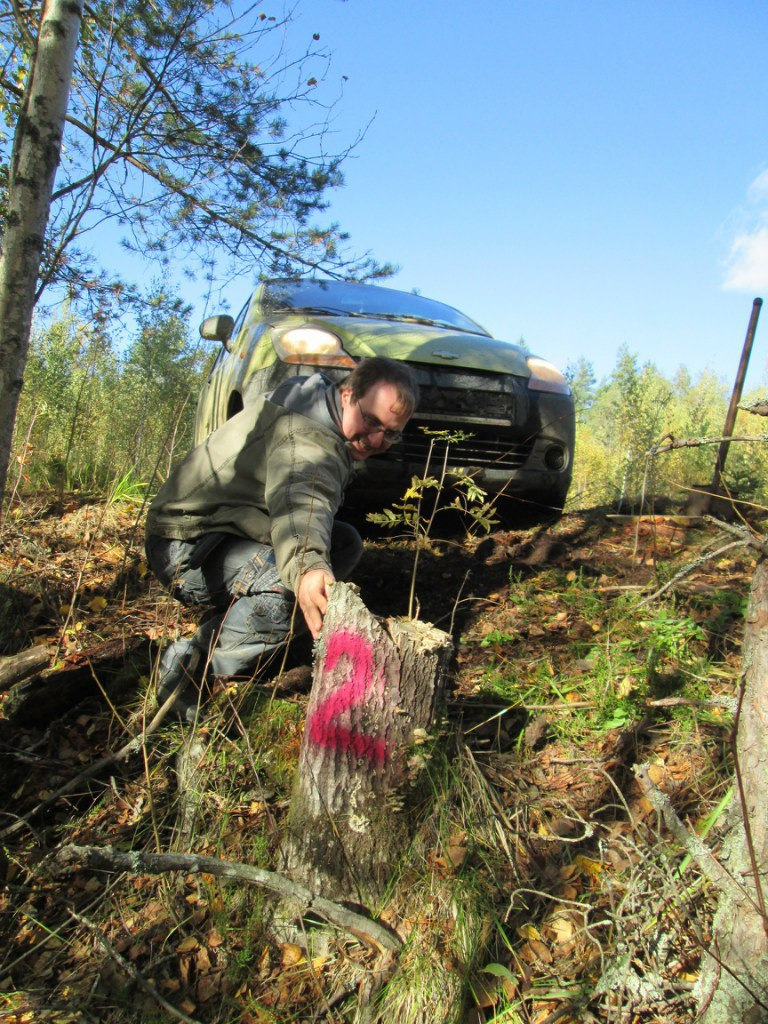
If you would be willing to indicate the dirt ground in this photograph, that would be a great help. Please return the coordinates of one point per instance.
(554, 696)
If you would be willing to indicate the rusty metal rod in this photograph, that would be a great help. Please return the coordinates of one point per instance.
(738, 387)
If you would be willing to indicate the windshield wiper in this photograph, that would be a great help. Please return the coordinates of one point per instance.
(310, 310)
(411, 318)
(369, 315)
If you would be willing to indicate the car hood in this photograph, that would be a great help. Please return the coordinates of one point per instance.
(421, 343)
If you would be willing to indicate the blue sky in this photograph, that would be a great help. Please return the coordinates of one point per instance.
(584, 175)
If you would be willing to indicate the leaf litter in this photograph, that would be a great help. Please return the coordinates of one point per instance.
(585, 916)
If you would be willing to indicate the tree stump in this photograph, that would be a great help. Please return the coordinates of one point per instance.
(375, 694)
(733, 984)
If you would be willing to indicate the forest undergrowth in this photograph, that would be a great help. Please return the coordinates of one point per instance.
(582, 650)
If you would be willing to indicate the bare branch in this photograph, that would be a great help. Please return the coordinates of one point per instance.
(135, 862)
(175, 187)
(688, 569)
(696, 442)
(690, 842)
(23, 26)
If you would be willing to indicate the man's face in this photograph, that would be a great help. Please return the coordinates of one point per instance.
(372, 423)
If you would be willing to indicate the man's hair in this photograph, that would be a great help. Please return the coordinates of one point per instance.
(380, 370)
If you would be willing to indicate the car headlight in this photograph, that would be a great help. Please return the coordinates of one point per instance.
(312, 346)
(546, 377)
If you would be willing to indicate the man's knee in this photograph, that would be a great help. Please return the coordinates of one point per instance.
(255, 625)
(169, 560)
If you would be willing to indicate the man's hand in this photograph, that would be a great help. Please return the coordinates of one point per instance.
(313, 597)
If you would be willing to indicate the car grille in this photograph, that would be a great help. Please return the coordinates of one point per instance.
(486, 406)
(474, 451)
(451, 401)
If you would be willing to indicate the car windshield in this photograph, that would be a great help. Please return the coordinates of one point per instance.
(345, 298)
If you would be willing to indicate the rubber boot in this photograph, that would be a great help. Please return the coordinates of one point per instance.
(182, 662)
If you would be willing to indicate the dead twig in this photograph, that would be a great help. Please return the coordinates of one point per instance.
(691, 843)
(728, 703)
(108, 859)
(688, 569)
(696, 442)
(746, 535)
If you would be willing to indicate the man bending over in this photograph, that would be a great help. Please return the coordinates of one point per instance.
(246, 522)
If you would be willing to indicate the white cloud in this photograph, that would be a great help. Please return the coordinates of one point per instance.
(747, 263)
(758, 190)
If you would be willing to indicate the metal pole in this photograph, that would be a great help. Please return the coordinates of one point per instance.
(738, 387)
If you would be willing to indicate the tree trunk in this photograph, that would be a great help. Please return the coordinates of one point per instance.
(15, 667)
(112, 668)
(34, 161)
(733, 986)
(374, 697)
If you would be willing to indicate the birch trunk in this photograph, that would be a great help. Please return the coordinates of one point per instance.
(733, 986)
(375, 694)
(34, 161)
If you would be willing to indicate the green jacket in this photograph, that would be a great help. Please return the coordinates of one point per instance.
(269, 474)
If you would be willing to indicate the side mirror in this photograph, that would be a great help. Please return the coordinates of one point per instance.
(218, 328)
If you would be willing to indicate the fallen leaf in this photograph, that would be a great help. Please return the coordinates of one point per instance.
(292, 954)
(541, 951)
(626, 686)
(456, 855)
(588, 866)
(208, 986)
(486, 992)
(562, 928)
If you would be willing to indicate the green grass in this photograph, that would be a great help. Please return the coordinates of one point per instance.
(615, 654)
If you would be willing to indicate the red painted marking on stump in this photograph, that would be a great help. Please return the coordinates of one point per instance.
(323, 726)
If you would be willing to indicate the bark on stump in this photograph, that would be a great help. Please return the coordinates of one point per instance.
(375, 694)
(733, 985)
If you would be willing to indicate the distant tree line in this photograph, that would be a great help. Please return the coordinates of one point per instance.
(99, 415)
(100, 412)
(621, 420)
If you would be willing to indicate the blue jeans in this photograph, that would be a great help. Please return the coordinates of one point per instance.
(253, 610)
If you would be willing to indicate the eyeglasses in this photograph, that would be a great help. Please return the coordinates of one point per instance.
(372, 426)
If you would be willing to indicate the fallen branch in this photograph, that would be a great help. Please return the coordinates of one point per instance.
(109, 859)
(728, 703)
(742, 532)
(687, 569)
(44, 694)
(690, 842)
(15, 667)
